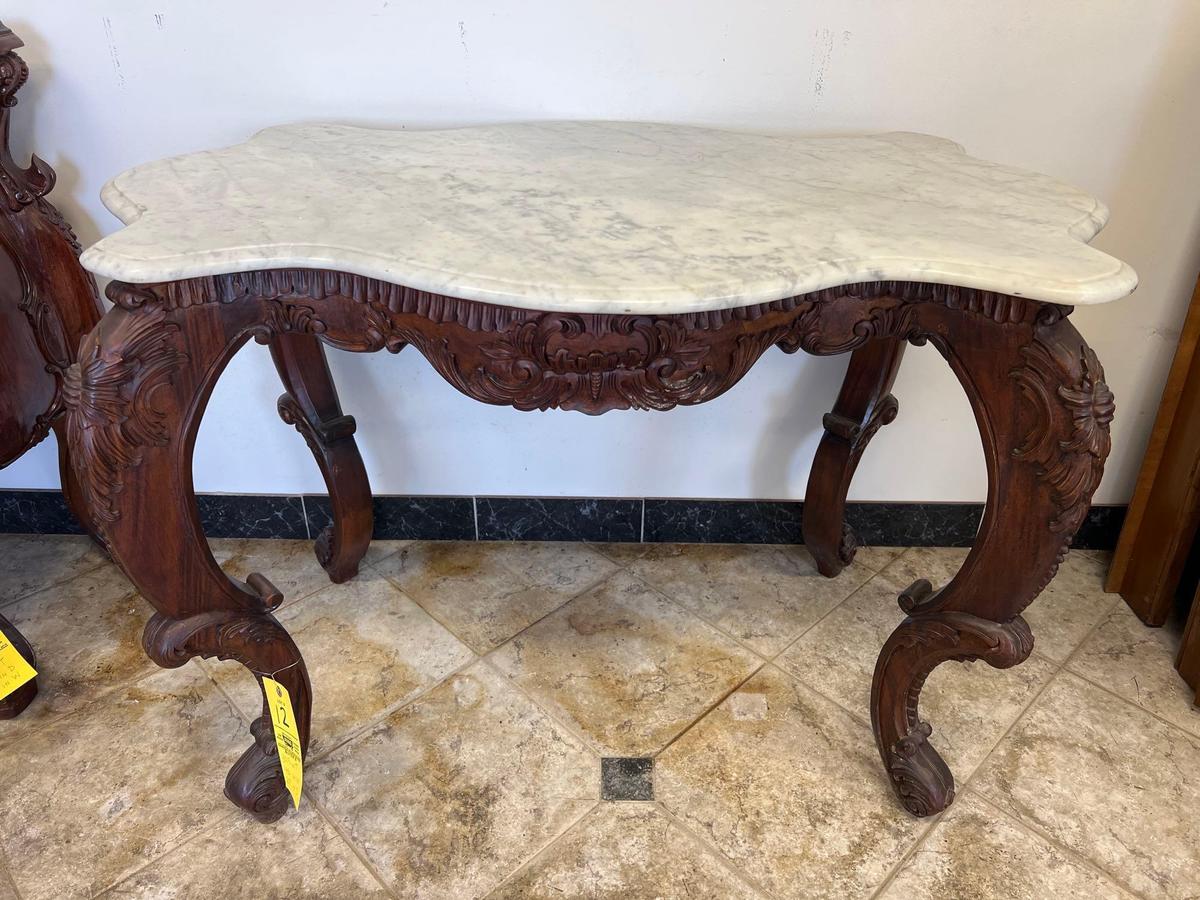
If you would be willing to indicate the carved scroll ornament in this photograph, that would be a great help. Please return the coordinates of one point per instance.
(110, 396)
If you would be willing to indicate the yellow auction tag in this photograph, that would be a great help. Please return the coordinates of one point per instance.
(287, 739)
(15, 670)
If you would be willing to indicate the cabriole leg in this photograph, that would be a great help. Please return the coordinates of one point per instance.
(311, 405)
(135, 400)
(863, 406)
(1043, 411)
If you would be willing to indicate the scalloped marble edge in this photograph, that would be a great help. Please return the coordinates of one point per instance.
(1120, 281)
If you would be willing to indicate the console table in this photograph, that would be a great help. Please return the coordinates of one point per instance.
(593, 267)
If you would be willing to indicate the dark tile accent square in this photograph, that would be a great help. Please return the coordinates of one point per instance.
(559, 519)
(36, 512)
(626, 778)
(251, 516)
(406, 518)
(723, 521)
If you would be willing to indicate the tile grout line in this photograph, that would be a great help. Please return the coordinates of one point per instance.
(589, 587)
(763, 662)
(1128, 701)
(475, 514)
(100, 693)
(642, 534)
(1071, 853)
(12, 601)
(219, 822)
(714, 850)
(6, 875)
(327, 817)
(698, 617)
(764, 657)
(542, 851)
(829, 612)
(485, 658)
(707, 710)
(1028, 706)
(390, 711)
(935, 822)
(968, 788)
(553, 715)
(450, 631)
(969, 783)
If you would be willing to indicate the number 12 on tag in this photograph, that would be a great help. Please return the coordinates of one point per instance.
(287, 738)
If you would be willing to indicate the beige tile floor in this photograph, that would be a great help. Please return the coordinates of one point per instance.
(465, 694)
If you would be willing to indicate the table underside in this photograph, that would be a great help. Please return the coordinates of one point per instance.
(138, 392)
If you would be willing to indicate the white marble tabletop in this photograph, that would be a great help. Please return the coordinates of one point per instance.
(609, 217)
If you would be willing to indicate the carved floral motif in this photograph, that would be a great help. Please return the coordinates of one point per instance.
(1053, 379)
(110, 396)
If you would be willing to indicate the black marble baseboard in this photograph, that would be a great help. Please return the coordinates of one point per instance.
(566, 519)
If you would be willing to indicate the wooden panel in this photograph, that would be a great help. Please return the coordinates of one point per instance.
(1165, 510)
(1188, 661)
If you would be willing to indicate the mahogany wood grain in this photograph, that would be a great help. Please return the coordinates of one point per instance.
(863, 406)
(1165, 510)
(1036, 388)
(47, 303)
(310, 403)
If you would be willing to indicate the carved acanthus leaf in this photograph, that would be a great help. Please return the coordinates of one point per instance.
(110, 397)
(1071, 408)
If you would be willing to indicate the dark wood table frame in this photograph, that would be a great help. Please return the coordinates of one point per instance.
(47, 304)
(139, 390)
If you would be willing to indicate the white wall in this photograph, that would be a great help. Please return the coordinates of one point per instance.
(1101, 93)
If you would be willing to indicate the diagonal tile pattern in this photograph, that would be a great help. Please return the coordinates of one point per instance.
(618, 846)
(969, 704)
(762, 595)
(978, 851)
(731, 680)
(625, 667)
(36, 561)
(788, 787)
(87, 634)
(452, 793)
(1108, 781)
(368, 649)
(1137, 662)
(93, 797)
(299, 856)
(487, 592)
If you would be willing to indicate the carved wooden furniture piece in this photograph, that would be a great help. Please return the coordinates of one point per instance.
(594, 267)
(47, 303)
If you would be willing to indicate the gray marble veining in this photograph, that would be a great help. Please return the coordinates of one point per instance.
(609, 217)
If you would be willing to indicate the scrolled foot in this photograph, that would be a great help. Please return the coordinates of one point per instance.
(262, 645)
(921, 777)
(920, 644)
(255, 783)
